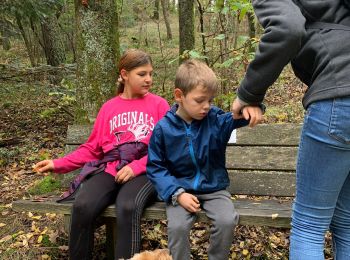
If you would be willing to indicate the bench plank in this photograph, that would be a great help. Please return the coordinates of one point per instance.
(265, 134)
(262, 183)
(261, 212)
(270, 134)
(261, 158)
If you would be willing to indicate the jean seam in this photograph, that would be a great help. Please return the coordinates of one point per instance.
(333, 117)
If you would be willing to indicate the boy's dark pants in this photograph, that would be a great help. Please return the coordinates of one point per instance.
(219, 208)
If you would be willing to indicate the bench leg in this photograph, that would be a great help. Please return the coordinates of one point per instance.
(111, 237)
(110, 233)
(66, 220)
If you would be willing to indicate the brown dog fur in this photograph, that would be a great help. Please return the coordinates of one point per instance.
(158, 254)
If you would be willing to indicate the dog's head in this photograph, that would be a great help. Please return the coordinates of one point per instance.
(158, 254)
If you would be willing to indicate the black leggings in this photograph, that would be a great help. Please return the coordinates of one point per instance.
(97, 193)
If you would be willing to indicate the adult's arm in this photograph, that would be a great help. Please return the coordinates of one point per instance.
(284, 29)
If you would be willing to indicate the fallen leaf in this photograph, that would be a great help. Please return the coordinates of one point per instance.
(245, 252)
(5, 238)
(63, 248)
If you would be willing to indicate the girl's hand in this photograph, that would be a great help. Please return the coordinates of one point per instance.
(44, 166)
(124, 174)
(189, 202)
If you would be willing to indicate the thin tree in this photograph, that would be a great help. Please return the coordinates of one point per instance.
(186, 27)
(165, 9)
(97, 54)
(53, 41)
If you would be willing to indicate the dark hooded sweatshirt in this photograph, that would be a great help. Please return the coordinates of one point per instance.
(314, 36)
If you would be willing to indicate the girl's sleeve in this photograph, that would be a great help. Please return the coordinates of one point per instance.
(89, 151)
(163, 108)
(139, 166)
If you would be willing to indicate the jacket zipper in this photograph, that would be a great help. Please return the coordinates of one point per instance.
(188, 136)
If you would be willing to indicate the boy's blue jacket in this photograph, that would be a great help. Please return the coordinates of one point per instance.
(190, 156)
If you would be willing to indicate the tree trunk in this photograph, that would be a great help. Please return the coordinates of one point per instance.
(252, 32)
(156, 10)
(186, 27)
(166, 19)
(29, 47)
(97, 54)
(5, 39)
(52, 41)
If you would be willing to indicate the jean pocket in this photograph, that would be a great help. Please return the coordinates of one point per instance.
(339, 127)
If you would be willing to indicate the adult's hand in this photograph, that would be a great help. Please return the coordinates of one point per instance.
(236, 108)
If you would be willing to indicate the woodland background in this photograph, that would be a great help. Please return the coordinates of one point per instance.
(57, 66)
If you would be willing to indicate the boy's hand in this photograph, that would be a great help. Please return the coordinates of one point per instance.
(189, 202)
(253, 114)
(44, 166)
(243, 110)
(124, 174)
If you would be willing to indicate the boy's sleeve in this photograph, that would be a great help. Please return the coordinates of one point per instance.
(227, 124)
(165, 184)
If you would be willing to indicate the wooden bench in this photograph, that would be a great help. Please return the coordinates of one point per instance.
(261, 163)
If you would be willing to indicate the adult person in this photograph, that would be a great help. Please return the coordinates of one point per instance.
(315, 37)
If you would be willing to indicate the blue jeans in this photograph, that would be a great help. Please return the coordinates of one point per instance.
(322, 199)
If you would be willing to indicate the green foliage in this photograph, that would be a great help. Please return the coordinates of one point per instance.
(48, 112)
(224, 101)
(46, 241)
(33, 9)
(241, 7)
(67, 93)
(7, 154)
(46, 185)
(66, 96)
(289, 113)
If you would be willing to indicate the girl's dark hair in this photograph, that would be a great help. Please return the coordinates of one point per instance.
(131, 59)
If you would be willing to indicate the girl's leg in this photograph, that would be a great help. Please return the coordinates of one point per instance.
(219, 208)
(322, 171)
(131, 200)
(95, 194)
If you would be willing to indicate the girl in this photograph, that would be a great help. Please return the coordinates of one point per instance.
(114, 159)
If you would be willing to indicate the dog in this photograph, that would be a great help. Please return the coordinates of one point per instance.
(158, 254)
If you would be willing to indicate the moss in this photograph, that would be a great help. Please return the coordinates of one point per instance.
(97, 41)
(44, 186)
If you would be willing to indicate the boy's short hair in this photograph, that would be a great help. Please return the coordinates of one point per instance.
(192, 73)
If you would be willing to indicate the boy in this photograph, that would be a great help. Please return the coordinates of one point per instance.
(186, 162)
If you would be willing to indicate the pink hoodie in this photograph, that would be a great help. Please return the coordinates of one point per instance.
(118, 121)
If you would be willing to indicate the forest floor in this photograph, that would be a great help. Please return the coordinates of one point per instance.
(35, 129)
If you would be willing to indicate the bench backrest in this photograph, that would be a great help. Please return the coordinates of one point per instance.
(261, 162)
